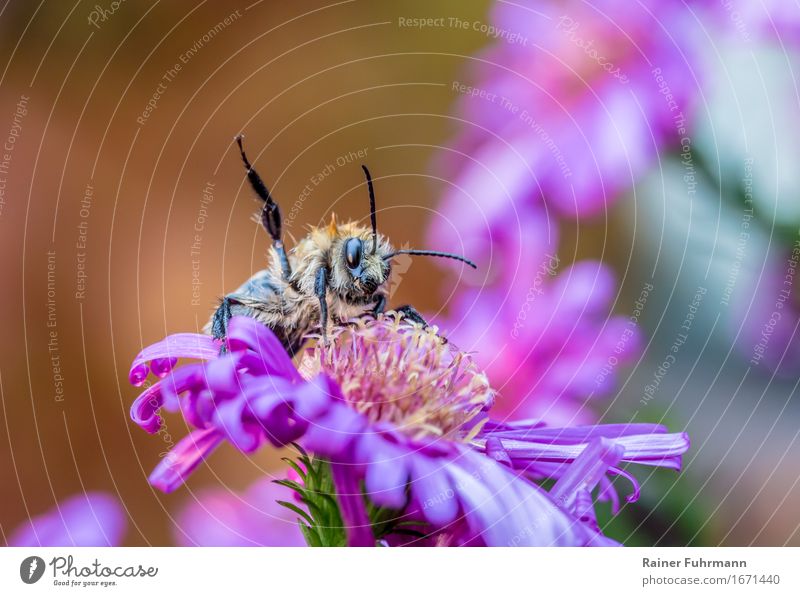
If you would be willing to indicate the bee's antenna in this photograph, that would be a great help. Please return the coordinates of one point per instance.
(432, 253)
(372, 217)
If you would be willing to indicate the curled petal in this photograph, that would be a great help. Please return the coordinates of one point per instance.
(245, 333)
(283, 409)
(138, 374)
(145, 407)
(184, 379)
(634, 496)
(242, 431)
(586, 471)
(316, 396)
(283, 426)
(161, 366)
(495, 450)
(222, 377)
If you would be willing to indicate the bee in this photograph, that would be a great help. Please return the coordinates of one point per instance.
(334, 274)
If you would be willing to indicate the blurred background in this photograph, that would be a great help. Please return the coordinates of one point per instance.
(625, 174)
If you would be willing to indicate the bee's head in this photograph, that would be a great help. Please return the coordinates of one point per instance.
(364, 257)
(358, 266)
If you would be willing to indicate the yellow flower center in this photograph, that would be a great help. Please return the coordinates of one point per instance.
(394, 371)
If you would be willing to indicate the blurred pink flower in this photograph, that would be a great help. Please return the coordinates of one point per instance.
(559, 121)
(548, 346)
(89, 519)
(767, 317)
(220, 517)
(574, 113)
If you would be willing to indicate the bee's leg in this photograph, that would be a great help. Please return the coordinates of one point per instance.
(270, 214)
(410, 313)
(219, 324)
(321, 290)
(380, 305)
(271, 220)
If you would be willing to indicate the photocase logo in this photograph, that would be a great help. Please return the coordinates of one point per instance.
(31, 570)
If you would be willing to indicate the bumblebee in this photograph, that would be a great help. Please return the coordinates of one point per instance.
(335, 274)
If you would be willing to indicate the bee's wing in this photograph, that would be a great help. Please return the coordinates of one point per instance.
(261, 288)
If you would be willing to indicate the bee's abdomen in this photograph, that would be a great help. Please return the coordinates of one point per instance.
(289, 327)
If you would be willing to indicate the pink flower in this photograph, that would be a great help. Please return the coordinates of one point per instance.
(550, 346)
(220, 517)
(89, 519)
(398, 417)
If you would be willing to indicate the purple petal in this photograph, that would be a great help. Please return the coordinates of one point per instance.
(222, 376)
(634, 496)
(586, 471)
(583, 508)
(229, 419)
(609, 493)
(659, 450)
(245, 333)
(144, 408)
(387, 472)
(573, 434)
(352, 506)
(178, 345)
(333, 433)
(283, 426)
(316, 396)
(161, 366)
(138, 374)
(432, 490)
(182, 460)
(506, 510)
(647, 444)
(495, 450)
(265, 394)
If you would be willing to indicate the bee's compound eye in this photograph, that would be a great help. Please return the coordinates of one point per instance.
(353, 250)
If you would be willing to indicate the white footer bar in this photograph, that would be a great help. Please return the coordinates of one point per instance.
(406, 572)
